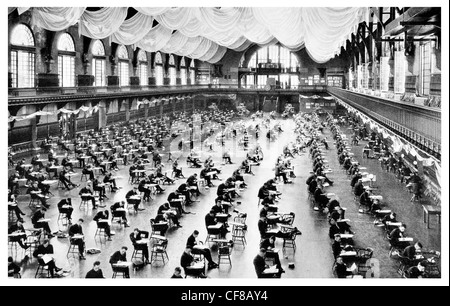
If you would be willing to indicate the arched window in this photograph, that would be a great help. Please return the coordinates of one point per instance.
(172, 71)
(66, 60)
(124, 76)
(274, 56)
(22, 57)
(98, 63)
(142, 65)
(192, 72)
(183, 74)
(159, 75)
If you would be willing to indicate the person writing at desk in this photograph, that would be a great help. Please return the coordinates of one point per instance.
(269, 245)
(260, 265)
(210, 220)
(120, 257)
(77, 237)
(340, 268)
(192, 182)
(173, 201)
(36, 192)
(100, 218)
(88, 170)
(13, 268)
(134, 198)
(108, 179)
(135, 237)
(192, 243)
(118, 210)
(165, 211)
(412, 250)
(65, 207)
(417, 271)
(46, 249)
(97, 186)
(39, 221)
(396, 235)
(21, 234)
(87, 194)
(145, 188)
(63, 179)
(204, 174)
(96, 272)
(187, 262)
(263, 225)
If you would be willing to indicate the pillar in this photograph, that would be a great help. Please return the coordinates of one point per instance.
(33, 123)
(126, 104)
(101, 115)
(184, 105)
(161, 108)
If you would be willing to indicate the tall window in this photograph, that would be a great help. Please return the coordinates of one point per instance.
(172, 71)
(66, 61)
(250, 80)
(365, 76)
(425, 69)
(275, 54)
(183, 74)
(192, 72)
(98, 63)
(124, 77)
(142, 67)
(22, 57)
(159, 73)
(399, 75)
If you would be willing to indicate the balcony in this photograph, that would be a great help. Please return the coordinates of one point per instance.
(419, 124)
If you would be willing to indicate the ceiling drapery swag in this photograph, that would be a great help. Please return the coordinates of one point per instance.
(205, 33)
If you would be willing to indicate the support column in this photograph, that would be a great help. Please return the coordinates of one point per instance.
(161, 107)
(127, 110)
(184, 105)
(33, 123)
(146, 108)
(101, 115)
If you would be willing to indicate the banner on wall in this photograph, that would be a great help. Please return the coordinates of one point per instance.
(62, 110)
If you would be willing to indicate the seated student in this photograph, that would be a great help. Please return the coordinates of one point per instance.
(109, 179)
(396, 234)
(263, 225)
(96, 272)
(164, 178)
(46, 249)
(178, 173)
(177, 273)
(49, 169)
(355, 179)
(65, 207)
(144, 187)
(337, 228)
(173, 201)
(237, 177)
(210, 220)
(321, 199)
(39, 221)
(36, 192)
(155, 181)
(340, 268)
(13, 268)
(89, 171)
(100, 188)
(205, 251)
(204, 174)
(337, 246)
(136, 202)
(21, 237)
(260, 265)
(118, 210)
(77, 230)
(195, 162)
(269, 245)
(12, 199)
(365, 200)
(187, 262)
(167, 213)
(86, 193)
(63, 179)
(66, 162)
(417, 271)
(392, 217)
(412, 250)
(359, 188)
(103, 215)
(246, 167)
(118, 257)
(136, 236)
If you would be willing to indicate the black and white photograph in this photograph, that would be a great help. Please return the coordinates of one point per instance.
(229, 142)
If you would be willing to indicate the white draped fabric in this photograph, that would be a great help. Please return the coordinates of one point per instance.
(102, 23)
(56, 18)
(133, 30)
(205, 32)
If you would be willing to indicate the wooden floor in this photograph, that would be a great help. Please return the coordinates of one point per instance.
(313, 257)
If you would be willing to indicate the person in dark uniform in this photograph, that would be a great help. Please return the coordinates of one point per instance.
(96, 272)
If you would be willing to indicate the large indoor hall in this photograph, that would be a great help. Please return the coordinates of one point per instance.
(224, 143)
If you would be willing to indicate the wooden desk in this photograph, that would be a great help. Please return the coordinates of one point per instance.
(431, 210)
